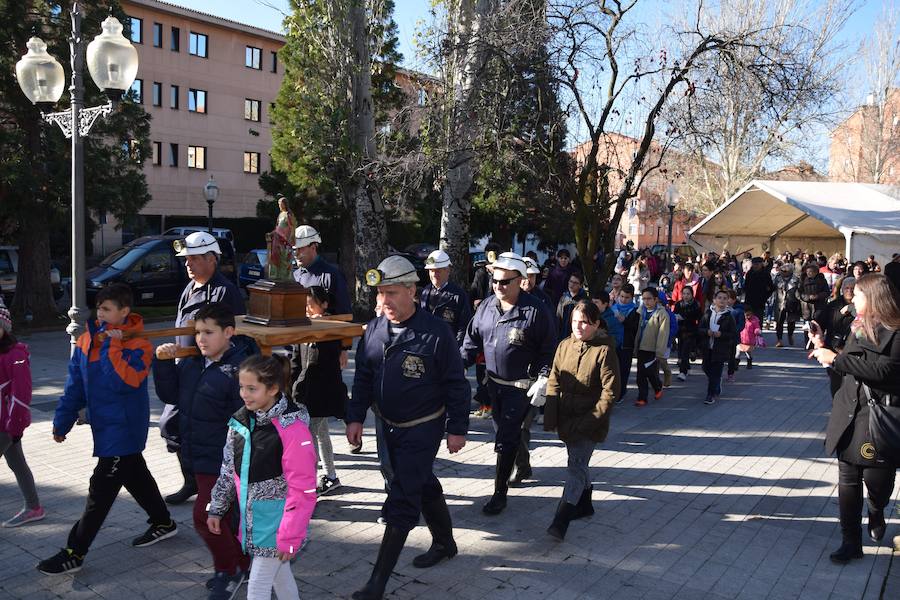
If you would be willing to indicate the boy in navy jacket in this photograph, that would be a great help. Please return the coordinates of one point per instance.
(108, 376)
(206, 391)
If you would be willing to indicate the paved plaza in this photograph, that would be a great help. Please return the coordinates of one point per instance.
(735, 500)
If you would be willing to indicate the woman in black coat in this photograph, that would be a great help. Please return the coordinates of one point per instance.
(871, 357)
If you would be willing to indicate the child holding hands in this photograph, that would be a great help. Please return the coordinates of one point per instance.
(269, 467)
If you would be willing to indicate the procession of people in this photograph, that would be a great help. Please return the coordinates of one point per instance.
(250, 432)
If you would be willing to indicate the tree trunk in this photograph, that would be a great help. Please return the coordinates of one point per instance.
(34, 293)
(363, 194)
(466, 59)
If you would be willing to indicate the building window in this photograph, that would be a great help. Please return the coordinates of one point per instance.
(173, 155)
(251, 109)
(632, 229)
(173, 97)
(643, 229)
(156, 153)
(175, 44)
(251, 162)
(423, 97)
(157, 93)
(253, 58)
(134, 151)
(197, 100)
(157, 35)
(137, 91)
(197, 44)
(137, 30)
(196, 157)
(274, 62)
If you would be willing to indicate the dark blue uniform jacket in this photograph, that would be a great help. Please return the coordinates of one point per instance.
(206, 398)
(451, 305)
(412, 377)
(518, 344)
(328, 276)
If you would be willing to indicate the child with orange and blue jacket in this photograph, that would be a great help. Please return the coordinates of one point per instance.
(108, 376)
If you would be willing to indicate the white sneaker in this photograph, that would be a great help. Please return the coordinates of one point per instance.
(682, 376)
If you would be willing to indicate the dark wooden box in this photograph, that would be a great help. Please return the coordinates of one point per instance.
(277, 303)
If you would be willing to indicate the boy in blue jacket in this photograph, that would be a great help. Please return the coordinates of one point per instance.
(206, 391)
(108, 376)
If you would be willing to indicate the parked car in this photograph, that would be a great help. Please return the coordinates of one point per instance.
(253, 267)
(9, 272)
(220, 232)
(421, 250)
(148, 265)
(685, 251)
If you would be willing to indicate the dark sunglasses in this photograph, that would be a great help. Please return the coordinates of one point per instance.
(503, 282)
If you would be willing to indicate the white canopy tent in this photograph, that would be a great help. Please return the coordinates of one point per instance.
(857, 219)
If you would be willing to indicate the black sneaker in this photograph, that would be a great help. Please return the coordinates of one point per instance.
(64, 561)
(155, 533)
(355, 449)
(225, 586)
(327, 484)
(244, 574)
(710, 400)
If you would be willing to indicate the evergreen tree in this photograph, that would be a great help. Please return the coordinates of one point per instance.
(35, 166)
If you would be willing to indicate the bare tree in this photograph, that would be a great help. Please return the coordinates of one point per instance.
(624, 76)
(867, 143)
(740, 121)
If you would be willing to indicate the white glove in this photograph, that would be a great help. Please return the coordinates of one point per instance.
(538, 391)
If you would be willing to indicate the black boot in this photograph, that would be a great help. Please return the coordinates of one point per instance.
(391, 546)
(504, 469)
(187, 490)
(437, 517)
(749, 362)
(584, 508)
(877, 525)
(564, 515)
(847, 552)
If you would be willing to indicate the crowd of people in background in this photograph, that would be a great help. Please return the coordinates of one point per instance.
(551, 345)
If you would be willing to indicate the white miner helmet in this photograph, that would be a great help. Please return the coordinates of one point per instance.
(510, 261)
(437, 260)
(392, 271)
(532, 267)
(306, 235)
(198, 242)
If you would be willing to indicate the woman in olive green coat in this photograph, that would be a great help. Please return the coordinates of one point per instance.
(581, 391)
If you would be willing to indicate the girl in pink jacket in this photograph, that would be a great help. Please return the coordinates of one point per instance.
(269, 467)
(15, 416)
(750, 336)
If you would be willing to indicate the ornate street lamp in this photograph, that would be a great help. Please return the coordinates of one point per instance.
(211, 192)
(113, 63)
(672, 197)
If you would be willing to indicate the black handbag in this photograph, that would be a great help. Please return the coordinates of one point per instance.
(884, 425)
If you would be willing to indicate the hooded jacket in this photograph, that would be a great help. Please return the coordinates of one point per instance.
(582, 388)
(206, 395)
(109, 378)
(269, 467)
(15, 390)
(630, 324)
(653, 331)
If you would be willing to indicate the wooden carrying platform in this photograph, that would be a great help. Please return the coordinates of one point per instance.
(318, 330)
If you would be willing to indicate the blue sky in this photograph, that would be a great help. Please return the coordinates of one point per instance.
(268, 15)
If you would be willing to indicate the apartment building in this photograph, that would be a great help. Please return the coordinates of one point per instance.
(208, 83)
(645, 220)
(865, 147)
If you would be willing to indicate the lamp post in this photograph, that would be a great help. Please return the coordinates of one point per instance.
(672, 197)
(211, 192)
(113, 63)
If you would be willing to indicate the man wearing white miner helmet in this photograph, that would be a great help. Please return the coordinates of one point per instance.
(201, 253)
(518, 339)
(408, 371)
(443, 298)
(315, 270)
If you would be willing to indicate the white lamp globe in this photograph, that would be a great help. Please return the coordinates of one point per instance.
(112, 60)
(40, 76)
